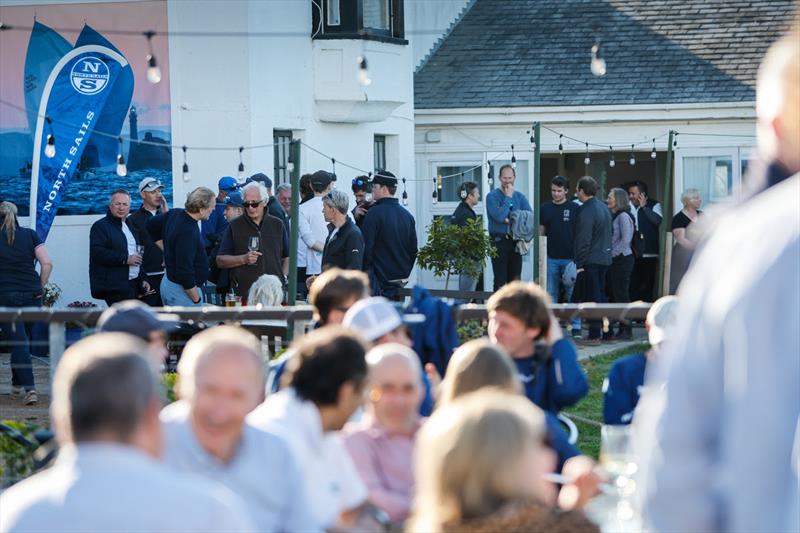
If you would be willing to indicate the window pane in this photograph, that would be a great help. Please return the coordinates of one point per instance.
(376, 14)
(712, 176)
(449, 192)
(334, 15)
(380, 152)
(281, 138)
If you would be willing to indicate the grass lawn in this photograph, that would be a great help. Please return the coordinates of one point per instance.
(591, 407)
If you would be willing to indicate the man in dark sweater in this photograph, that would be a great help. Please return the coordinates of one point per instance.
(390, 239)
(254, 244)
(115, 272)
(592, 249)
(647, 214)
(153, 203)
(557, 223)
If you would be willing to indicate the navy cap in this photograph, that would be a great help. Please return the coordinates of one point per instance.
(262, 178)
(135, 318)
(384, 177)
(234, 198)
(323, 178)
(227, 183)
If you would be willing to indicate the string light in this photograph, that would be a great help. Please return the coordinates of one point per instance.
(587, 160)
(560, 144)
(435, 192)
(50, 148)
(333, 166)
(513, 158)
(240, 172)
(363, 74)
(490, 175)
(185, 169)
(653, 153)
(598, 65)
(405, 194)
(153, 71)
(675, 140)
(632, 160)
(611, 161)
(122, 170)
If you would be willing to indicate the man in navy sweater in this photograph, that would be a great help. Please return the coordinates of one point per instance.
(547, 363)
(390, 239)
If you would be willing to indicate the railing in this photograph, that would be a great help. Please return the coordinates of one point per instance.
(295, 318)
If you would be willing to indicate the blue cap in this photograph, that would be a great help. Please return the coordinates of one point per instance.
(234, 198)
(227, 183)
(261, 178)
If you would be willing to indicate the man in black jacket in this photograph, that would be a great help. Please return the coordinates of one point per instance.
(153, 203)
(390, 239)
(115, 272)
(647, 214)
(470, 196)
(592, 249)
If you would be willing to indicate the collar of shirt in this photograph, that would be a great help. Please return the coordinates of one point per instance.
(293, 414)
(103, 453)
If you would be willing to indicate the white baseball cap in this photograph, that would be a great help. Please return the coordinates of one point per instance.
(374, 317)
(150, 184)
(659, 317)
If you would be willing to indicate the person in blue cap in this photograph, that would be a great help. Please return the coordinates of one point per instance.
(211, 230)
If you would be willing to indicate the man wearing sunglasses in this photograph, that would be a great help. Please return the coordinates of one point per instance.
(254, 244)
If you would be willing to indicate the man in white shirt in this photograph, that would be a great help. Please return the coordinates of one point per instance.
(105, 411)
(327, 374)
(313, 228)
(221, 380)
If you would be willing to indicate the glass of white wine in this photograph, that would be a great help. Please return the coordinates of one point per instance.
(615, 451)
(254, 244)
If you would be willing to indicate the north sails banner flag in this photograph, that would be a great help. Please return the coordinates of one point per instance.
(74, 97)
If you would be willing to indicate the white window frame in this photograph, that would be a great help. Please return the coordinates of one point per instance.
(736, 153)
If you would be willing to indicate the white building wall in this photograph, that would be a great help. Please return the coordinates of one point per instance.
(232, 91)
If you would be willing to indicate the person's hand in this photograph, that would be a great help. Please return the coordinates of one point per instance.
(434, 378)
(164, 207)
(145, 286)
(584, 482)
(554, 334)
(360, 211)
(251, 257)
(642, 199)
(507, 189)
(134, 260)
(310, 281)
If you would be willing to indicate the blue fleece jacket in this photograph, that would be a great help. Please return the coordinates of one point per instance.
(557, 383)
(621, 388)
(499, 206)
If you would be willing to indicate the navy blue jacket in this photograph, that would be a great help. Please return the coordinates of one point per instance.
(621, 388)
(185, 256)
(108, 257)
(557, 382)
(390, 245)
(345, 249)
(436, 337)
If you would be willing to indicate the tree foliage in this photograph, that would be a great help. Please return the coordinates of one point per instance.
(455, 249)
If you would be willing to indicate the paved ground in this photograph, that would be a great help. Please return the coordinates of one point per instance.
(585, 352)
(12, 409)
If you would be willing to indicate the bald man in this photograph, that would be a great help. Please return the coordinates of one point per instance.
(382, 444)
(221, 379)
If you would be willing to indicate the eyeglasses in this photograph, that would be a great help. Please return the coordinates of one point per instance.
(251, 204)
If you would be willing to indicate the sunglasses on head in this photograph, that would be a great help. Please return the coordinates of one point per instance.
(251, 204)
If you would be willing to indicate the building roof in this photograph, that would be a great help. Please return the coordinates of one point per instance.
(506, 53)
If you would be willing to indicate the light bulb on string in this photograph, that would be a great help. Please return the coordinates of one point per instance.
(598, 65)
(560, 144)
(587, 159)
(185, 169)
(435, 192)
(363, 73)
(240, 171)
(653, 153)
(153, 71)
(675, 140)
(513, 158)
(50, 148)
(611, 161)
(405, 194)
(632, 160)
(490, 175)
(122, 170)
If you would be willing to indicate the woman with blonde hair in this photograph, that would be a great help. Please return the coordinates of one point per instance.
(474, 365)
(480, 466)
(20, 286)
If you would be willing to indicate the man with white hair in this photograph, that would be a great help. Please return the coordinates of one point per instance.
(107, 477)
(382, 444)
(254, 244)
(221, 379)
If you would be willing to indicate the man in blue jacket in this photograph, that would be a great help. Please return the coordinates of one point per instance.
(547, 363)
(500, 203)
(115, 272)
(390, 239)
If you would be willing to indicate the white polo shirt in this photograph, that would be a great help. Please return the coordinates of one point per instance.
(114, 487)
(332, 482)
(263, 472)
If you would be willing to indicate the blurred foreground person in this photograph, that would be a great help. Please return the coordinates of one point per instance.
(382, 443)
(725, 441)
(326, 377)
(481, 467)
(105, 412)
(221, 379)
(136, 318)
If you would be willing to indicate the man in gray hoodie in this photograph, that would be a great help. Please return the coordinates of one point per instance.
(592, 249)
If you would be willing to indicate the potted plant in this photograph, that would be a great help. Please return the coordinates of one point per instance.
(75, 328)
(455, 249)
(40, 331)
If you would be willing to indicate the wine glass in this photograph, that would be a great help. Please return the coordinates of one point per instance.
(254, 244)
(140, 250)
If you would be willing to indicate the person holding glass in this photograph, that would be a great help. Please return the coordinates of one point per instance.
(685, 236)
(20, 286)
(254, 244)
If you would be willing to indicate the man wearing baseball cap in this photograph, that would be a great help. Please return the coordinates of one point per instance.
(390, 239)
(153, 203)
(135, 318)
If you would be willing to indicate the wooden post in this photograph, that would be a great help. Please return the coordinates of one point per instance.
(667, 264)
(58, 342)
(666, 220)
(294, 226)
(537, 153)
(542, 266)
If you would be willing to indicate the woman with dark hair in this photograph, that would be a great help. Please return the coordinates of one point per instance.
(20, 286)
(619, 273)
(470, 195)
